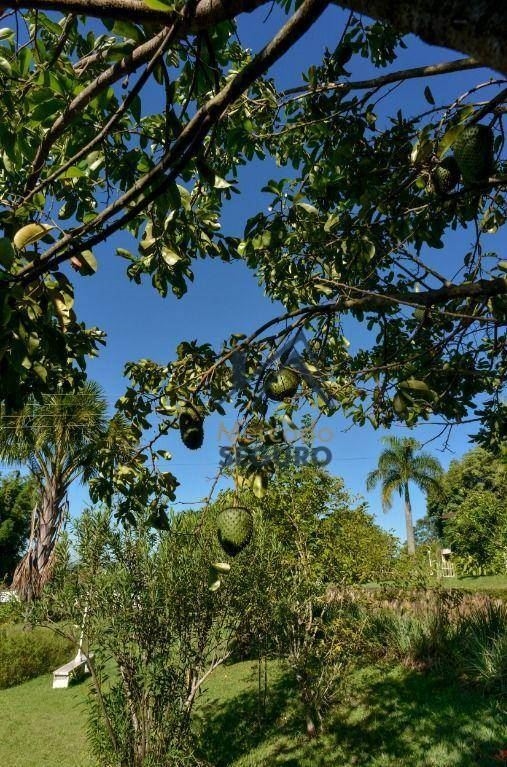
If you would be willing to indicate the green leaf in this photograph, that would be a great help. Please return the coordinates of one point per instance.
(429, 96)
(449, 139)
(40, 370)
(170, 256)
(308, 208)
(124, 253)
(332, 220)
(6, 252)
(5, 67)
(160, 5)
(29, 234)
(128, 30)
(259, 485)
(73, 172)
(418, 389)
(88, 265)
(49, 108)
(221, 183)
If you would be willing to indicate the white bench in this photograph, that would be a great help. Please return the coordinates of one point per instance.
(62, 675)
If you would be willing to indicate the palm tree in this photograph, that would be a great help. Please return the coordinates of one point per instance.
(397, 467)
(56, 439)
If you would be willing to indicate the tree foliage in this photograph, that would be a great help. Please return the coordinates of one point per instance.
(294, 584)
(347, 238)
(143, 601)
(57, 439)
(477, 533)
(308, 505)
(17, 499)
(469, 510)
(398, 466)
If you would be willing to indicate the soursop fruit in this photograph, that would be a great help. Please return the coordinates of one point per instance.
(473, 150)
(234, 529)
(280, 384)
(191, 428)
(445, 176)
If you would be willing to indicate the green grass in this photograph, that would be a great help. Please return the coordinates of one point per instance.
(384, 718)
(42, 727)
(487, 583)
(494, 585)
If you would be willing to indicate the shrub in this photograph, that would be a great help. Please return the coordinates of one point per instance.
(27, 654)
(465, 635)
(415, 629)
(157, 630)
(481, 653)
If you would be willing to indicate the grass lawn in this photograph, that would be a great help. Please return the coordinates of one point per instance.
(487, 583)
(385, 718)
(42, 727)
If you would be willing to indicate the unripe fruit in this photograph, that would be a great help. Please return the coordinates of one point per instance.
(473, 150)
(234, 529)
(191, 428)
(445, 176)
(281, 384)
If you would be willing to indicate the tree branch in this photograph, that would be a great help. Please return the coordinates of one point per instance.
(119, 69)
(432, 70)
(477, 28)
(369, 300)
(32, 189)
(208, 13)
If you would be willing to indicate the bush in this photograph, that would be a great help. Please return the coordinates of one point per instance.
(465, 635)
(27, 654)
(481, 653)
(415, 628)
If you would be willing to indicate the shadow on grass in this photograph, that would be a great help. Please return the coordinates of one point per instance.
(234, 727)
(397, 718)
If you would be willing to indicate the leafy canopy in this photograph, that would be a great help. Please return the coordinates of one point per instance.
(348, 235)
(17, 498)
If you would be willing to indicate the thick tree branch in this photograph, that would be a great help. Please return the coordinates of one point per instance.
(477, 28)
(208, 13)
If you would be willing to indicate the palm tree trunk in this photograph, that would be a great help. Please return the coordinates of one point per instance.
(408, 522)
(36, 567)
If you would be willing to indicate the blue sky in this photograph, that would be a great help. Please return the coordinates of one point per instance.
(226, 298)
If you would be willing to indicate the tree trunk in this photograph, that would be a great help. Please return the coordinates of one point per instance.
(477, 27)
(408, 522)
(36, 567)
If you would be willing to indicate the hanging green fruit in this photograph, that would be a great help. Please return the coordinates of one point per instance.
(221, 567)
(159, 520)
(445, 176)
(214, 581)
(234, 529)
(473, 150)
(281, 384)
(191, 427)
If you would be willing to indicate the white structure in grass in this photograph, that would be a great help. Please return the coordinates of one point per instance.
(442, 567)
(63, 675)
